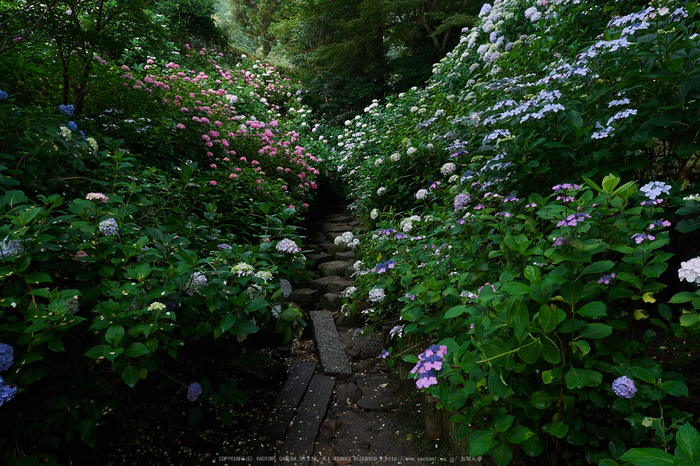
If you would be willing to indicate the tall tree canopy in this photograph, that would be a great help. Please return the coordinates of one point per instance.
(350, 52)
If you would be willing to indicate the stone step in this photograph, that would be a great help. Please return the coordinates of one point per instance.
(285, 406)
(322, 284)
(305, 297)
(336, 227)
(338, 286)
(314, 260)
(333, 358)
(331, 302)
(299, 444)
(345, 256)
(339, 217)
(334, 268)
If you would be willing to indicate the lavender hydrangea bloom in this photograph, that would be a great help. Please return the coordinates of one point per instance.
(461, 201)
(287, 245)
(428, 362)
(6, 356)
(624, 387)
(67, 109)
(194, 391)
(109, 227)
(6, 392)
(198, 279)
(11, 247)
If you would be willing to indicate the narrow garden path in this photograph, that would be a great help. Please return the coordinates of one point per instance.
(342, 400)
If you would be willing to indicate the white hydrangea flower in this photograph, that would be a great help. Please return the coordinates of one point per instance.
(156, 306)
(347, 293)
(381, 191)
(421, 194)
(448, 168)
(395, 157)
(411, 150)
(357, 266)
(242, 269)
(265, 275)
(374, 214)
(377, 295)
(690, 271)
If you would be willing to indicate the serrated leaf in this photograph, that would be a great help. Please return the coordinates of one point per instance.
(114, 334)
(593, 310)
(501, 453)
(455, 311)
(503, 423)
(576, 378)
(675, 388)
(480, 442)
(595, 331)
(648, 457)
(688, 443)
(598, 267)
(131, 375)
(548, 318)
(136, 349)
(519, 434)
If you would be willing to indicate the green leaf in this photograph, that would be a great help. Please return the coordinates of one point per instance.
(643, 375)
(688, 443)
(501, 453)
(516, 288)
(519, 434)
(550, 351)
(593, 310)
(595, 331)
(609, 183)
(598, 267)
(548, 318)
(557, 429)
(97, 351)
(648, 457)
(480, 442)
(495, 350)
(56, 345)
(455, 311)
(688, 320)
(574, 119)
(131, 375)
(503, 423)
(246, 326)
(227, 322)
(114, 334)
(541, 400)
(675, 388)
(37, 277)
(683, 297)
(87, 427)
(135, 350)
(576, 378)
(530, 351)
(497, 385)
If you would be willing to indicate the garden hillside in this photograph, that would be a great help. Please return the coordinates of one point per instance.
(150, 190)
(535, 219)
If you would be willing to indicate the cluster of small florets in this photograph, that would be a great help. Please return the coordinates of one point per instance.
(624, 387)
(377, 295)
(572, 220)
(242, 269)
(461, 201)
(654, 189)
(11, 247)
(288, 246)
(108, 227)
(690, 270)
(347, 239)
(428, 362)
(6, 361)
(96, 197)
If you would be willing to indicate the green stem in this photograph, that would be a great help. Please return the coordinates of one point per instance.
(508, 352)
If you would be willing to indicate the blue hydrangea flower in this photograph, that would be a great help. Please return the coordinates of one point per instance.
(194, 391)
(624, 387)
(109, 227)
(72, 125)
(11, 247)
(6, 392)
(6, 356)
(67, 109)
(3, 95)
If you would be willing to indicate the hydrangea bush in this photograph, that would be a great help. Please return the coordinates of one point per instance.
(505, 203)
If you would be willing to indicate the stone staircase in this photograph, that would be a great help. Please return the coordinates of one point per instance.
(301, 406)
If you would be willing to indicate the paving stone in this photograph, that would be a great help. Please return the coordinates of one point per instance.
(334, 268)
(305, 297)
(331, 302)
(302, 435)
(333, 358)
(338, 286)
(376, 404)
(285, 406)
(332, 235)
(321, 284)
(345, 256)
(347, 393)
(316, 259)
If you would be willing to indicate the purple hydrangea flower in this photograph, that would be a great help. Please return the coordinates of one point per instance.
(6, 356)
(6, 392)
(287, 245)
(384, 355)
(461, 201)
(572, 220)
(194, 391)
(660, 223)
(428, 362)
(606, 278)
(639, 237)
(224, 246)
(560, 241)
(109, 227)
(624, 387)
